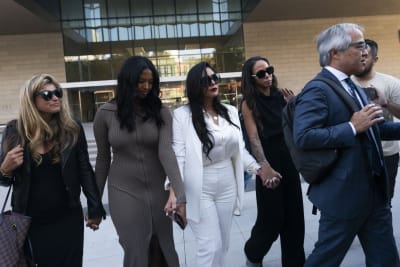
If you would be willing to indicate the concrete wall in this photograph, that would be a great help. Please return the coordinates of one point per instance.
(291, 45)
(22, 56)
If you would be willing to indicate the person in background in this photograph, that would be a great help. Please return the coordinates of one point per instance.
(353, 197)
(44, 156)
(209, 146)
(137, 128)
(279, 209)
(386, 93)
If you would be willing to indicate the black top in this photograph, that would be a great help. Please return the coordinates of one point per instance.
(47, 197)
(270, 109)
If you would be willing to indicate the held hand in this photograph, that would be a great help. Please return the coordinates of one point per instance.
(270, 178)
(13, 159)
(287, 93)
(170, 206)
(92, 223)
(366, 117)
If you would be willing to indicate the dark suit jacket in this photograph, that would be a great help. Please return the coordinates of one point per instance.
(76, 172)
(321, 120)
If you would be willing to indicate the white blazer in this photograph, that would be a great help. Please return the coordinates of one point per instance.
(188, 150)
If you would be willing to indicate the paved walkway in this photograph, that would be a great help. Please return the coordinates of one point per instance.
(101, 248)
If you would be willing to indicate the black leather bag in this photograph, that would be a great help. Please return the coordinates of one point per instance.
(313, 164)
(13, 232)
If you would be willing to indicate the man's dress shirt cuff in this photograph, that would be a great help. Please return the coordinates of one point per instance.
(353, 128)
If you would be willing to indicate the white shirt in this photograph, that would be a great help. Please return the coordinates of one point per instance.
(226, 143)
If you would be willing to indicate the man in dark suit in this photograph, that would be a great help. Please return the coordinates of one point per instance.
(353, 197)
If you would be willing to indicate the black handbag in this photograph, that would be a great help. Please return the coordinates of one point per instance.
(13, 233)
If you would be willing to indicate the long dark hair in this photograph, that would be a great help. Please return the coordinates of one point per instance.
(127, 91)
(249, 89)
(195, 91)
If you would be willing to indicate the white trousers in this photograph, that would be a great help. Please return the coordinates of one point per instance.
(217, 201)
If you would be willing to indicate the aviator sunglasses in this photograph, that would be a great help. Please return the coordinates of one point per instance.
(47, 95)
(207, 80)
(261, 73)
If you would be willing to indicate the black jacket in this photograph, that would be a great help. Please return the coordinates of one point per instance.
(77, 173)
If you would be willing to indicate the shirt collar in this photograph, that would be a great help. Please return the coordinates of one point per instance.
(337, 73)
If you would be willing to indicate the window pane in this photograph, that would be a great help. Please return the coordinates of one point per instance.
(185, 6)
(118, 8)
(165, 7)
(141, 8)
(71, 9)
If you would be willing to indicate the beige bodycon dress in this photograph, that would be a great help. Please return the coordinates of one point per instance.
(141, 161)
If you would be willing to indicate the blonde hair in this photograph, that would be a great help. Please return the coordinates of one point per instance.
(62, 130)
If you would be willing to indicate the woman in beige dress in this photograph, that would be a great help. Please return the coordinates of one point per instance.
(137, 128)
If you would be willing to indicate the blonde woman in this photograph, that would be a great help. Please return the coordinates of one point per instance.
(44, 156)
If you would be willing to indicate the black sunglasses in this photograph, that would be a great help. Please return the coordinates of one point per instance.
(207, 80)
(47, 95)
(261, 73)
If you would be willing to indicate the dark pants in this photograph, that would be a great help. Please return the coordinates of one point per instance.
(279, 214)
(58, 242)
(374, 230)
(392, 164)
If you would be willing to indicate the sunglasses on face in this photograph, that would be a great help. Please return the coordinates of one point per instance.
(47, 95)
(207, 80)
(261, 73)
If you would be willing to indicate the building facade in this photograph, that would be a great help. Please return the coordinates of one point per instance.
(84, 42)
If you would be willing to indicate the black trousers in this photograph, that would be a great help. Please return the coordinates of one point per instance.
(58, 241)
(392, 163)
(279, 214)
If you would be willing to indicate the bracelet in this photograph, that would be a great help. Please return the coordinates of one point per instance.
(5, 174)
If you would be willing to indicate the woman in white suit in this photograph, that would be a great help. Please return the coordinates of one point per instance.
(209, 146)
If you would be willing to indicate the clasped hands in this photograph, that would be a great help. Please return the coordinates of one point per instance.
(93, 223)
(269, 177)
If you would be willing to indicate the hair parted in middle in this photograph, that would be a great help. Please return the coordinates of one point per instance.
(62, 130)
(195, 91)
(127, 90)
(249, 89)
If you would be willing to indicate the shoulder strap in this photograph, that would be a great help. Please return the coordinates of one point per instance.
(5, 201)
(347, 99)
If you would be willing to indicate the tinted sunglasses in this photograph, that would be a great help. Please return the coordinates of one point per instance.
(261, 73)
(207, 80)
(47, 95)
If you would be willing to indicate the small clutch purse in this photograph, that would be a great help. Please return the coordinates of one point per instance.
(179, 220)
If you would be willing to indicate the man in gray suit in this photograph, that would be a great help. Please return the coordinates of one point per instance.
(353, 197)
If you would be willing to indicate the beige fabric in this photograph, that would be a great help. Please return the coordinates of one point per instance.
(136, 175)
(390, 86)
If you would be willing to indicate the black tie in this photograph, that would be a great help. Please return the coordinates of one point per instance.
(377, 163)
(353, 90)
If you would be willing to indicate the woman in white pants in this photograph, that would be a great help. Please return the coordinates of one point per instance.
(209, 146)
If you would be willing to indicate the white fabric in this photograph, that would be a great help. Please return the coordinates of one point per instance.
(212, 231)
(188, 150)
(226, 145)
